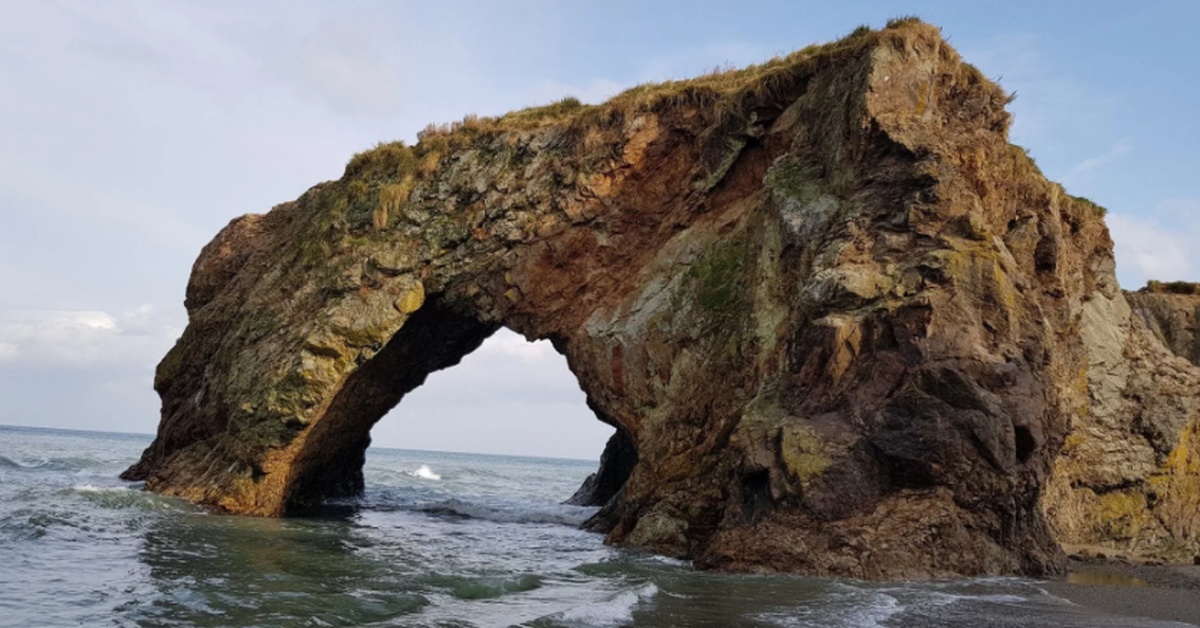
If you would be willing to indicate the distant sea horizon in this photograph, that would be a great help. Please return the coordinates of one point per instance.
(373, 446)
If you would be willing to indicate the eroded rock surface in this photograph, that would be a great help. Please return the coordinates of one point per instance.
(845, 326)
(1129, 474)
(1172, 316)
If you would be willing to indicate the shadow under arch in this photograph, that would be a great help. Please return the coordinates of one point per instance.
(330, 462)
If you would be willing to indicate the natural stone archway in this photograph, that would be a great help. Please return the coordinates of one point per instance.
(840, 324)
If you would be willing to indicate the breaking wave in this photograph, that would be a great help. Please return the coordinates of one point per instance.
(613, 611)
(425, 473)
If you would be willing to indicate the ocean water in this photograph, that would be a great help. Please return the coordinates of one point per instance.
(438, 539)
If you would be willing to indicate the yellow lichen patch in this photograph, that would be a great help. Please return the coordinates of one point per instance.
(1178, 486)
(803, 452)
(978, 268)
(411, 300)
(1073, 441)
(1121, 514)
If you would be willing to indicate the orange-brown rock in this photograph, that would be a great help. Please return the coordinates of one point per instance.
(839, 323)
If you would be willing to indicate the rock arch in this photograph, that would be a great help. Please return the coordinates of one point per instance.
(835, 315)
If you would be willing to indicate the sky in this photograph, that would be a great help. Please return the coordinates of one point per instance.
(131, 132)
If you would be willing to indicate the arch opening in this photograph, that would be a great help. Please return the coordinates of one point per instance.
(329, 463)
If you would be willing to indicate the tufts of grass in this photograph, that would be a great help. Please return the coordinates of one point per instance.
(728, 98)
(728, 91)
(903, 20)
(1093, 208)
(555, 112)
(386, 159)
(861, 31)
(1172, 287)
(392, 197)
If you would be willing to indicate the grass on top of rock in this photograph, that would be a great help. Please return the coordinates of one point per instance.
(1172, 287)
(730, 91)
(903, 20)
(1097, 210)
(727, 97)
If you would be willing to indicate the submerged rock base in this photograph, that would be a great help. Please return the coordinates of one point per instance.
(842, 326)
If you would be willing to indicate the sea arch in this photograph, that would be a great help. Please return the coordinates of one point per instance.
(832, 311)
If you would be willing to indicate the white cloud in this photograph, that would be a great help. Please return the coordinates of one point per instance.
(1182, 209)
(134, 340)
(506, 345)
(509, 396)
(1146, 249)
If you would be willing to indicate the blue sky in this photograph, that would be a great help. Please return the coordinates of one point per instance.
(130, 132)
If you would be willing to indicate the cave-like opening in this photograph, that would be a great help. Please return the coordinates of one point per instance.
(461, 410)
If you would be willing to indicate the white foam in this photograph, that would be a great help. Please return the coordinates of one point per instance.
(995, 598)
(425, 473)
(614, 611)
(91, 488)
(855, 608)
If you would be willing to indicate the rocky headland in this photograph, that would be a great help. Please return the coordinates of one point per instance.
(840, 324)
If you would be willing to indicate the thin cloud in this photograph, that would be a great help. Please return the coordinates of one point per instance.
(1109, 156)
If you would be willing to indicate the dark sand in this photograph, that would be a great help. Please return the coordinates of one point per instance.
(1118, 587)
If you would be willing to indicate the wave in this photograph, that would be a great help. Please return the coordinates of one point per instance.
(76, 464)
(483, 587)
(118, 497)
(36, 463)
(614, 611)
(994, 598)
(846, 606)
(425, 473)
(512, 512)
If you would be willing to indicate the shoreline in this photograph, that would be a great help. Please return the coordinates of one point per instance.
(1121, 586)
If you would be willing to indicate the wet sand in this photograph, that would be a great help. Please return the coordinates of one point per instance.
(1122, 587)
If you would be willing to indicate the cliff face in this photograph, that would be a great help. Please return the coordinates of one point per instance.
(840, 324)
(1173, 316)
(1128, 476)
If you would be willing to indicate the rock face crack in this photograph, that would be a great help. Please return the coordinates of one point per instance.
(840, 324)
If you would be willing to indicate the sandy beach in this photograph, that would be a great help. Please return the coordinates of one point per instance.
(1128, 587)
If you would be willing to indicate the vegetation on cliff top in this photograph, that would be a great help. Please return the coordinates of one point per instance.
(727, 90)
(390, 171)
(1172, 287)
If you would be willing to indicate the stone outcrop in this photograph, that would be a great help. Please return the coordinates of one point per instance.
(1128, 477)
(1172, 314)
(841, 325)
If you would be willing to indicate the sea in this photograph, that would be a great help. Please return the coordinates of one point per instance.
(437, 539)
